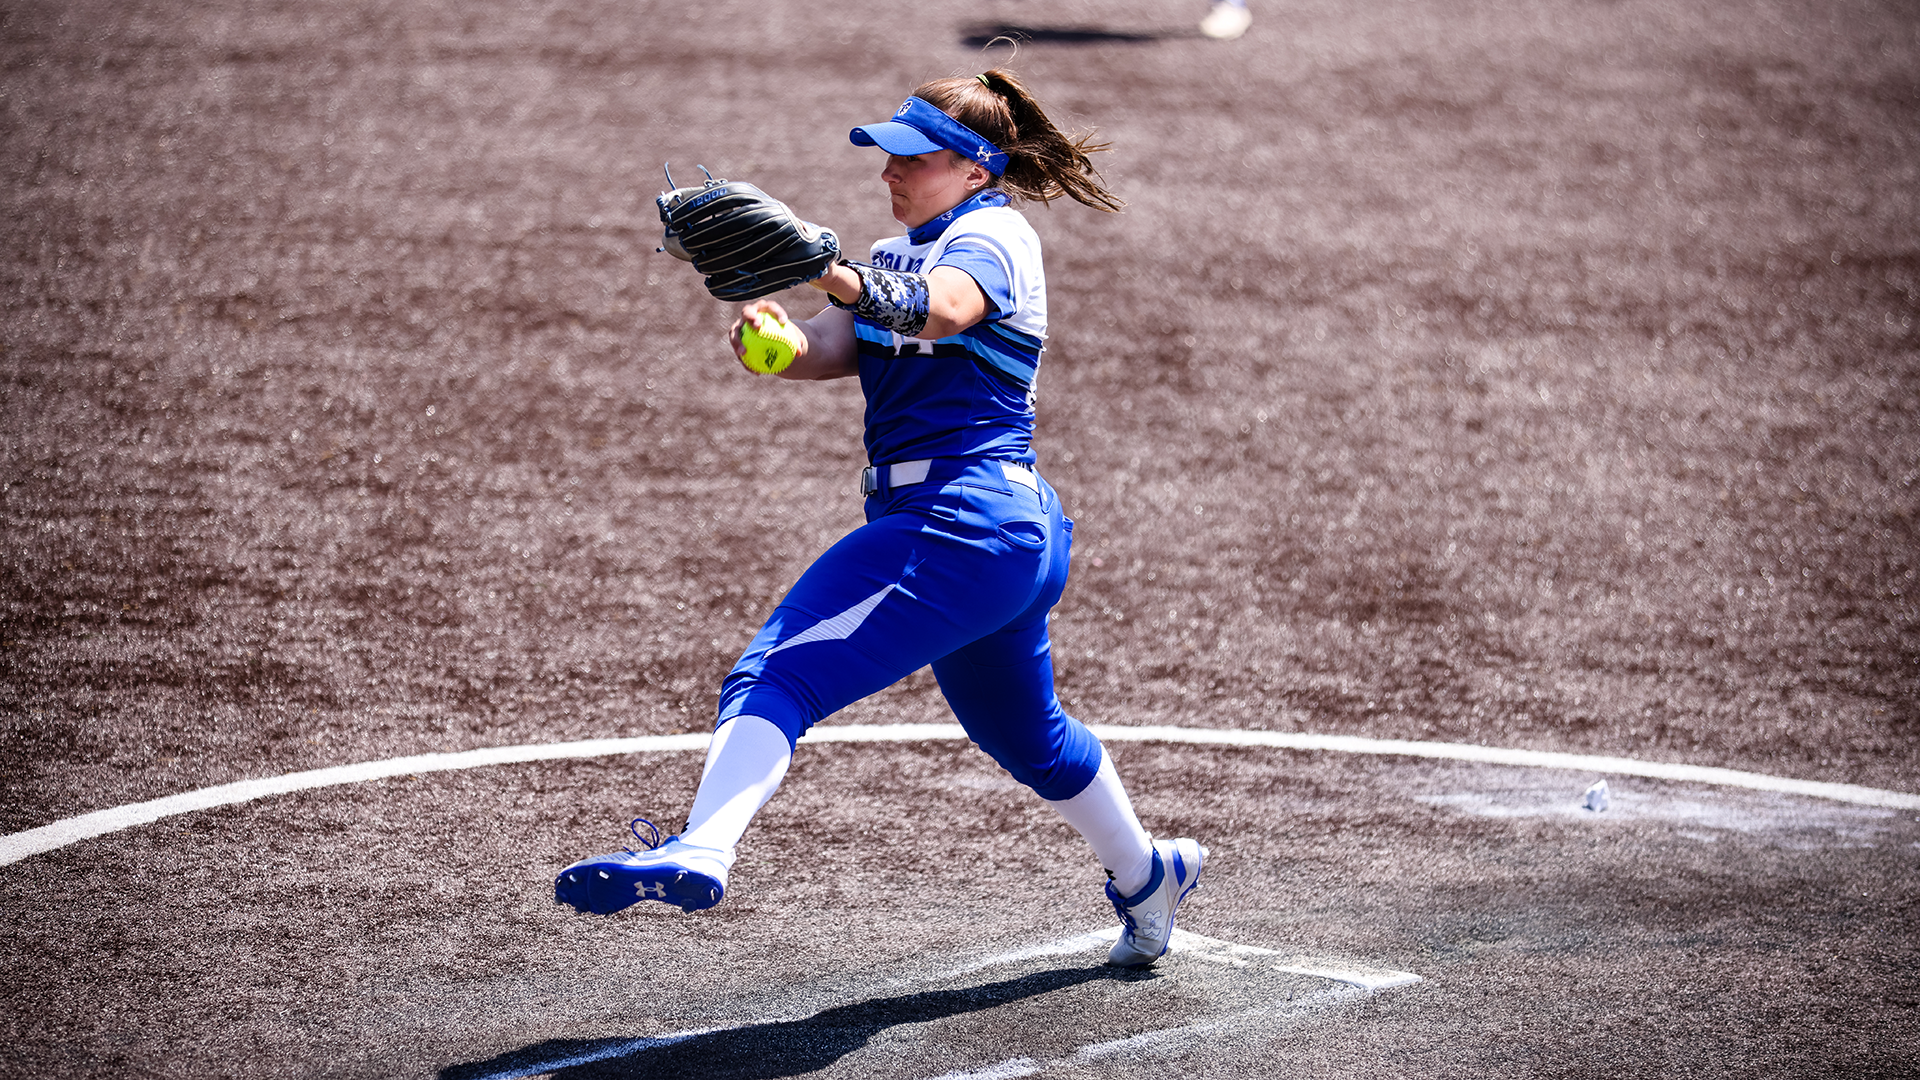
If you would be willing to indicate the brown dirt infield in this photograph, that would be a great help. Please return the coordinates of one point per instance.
(1531, 373)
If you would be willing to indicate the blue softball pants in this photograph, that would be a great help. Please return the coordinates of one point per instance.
(959, 572)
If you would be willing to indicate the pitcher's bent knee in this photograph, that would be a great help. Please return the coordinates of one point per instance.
(754, 695)
(1057, 760)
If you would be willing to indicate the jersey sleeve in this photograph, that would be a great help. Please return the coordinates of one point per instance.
(989, 268)
(1001, 252)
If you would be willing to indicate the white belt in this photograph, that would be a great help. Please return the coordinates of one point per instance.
(1021, 475)
(875, 478)
(899, 474)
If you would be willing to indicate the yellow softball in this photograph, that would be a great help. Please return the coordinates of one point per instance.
(770, 342)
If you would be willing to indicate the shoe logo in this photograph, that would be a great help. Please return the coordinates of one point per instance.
(659, 891)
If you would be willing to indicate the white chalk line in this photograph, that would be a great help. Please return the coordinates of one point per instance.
(1194, 946)
(1353, 982)
(1011, 1069)
(59, 834)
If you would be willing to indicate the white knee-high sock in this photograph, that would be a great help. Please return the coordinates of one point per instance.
(1104, 815)
(745, 763)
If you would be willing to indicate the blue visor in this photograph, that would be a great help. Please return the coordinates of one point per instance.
(918, 127)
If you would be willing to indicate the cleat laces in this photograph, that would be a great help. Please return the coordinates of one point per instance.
(634, 828)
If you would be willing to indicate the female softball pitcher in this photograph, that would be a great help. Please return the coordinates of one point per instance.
(965, 547)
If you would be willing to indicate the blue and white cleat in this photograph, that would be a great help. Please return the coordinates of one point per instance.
(691, 878)
(1146, 917)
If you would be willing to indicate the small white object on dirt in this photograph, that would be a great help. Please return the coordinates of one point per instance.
(1596, 798)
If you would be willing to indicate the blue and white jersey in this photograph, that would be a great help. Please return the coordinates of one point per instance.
(971, 394)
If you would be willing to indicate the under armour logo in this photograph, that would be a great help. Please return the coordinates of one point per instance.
(983, 154)
(659, 891)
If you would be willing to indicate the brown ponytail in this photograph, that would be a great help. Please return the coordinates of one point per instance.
(1042, 163)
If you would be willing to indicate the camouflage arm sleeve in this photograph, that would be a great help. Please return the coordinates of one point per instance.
(890, 298)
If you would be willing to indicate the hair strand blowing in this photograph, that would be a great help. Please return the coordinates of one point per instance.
(1043, 163)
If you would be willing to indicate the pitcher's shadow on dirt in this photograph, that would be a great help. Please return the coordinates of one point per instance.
(772, 1050)
(979, 37)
